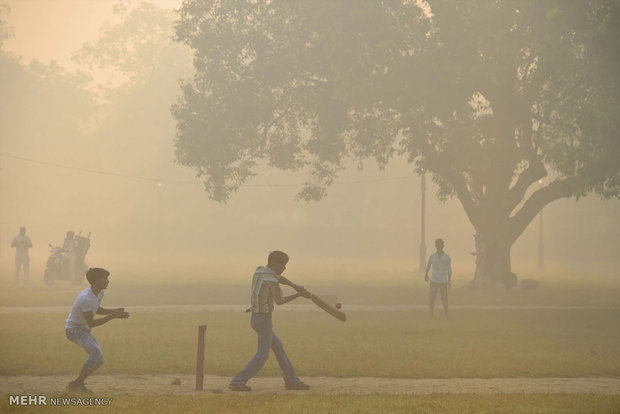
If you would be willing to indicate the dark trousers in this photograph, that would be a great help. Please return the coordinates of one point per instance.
(443, 290)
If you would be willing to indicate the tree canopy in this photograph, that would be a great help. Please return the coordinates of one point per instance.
(490, 97)
(138, 48)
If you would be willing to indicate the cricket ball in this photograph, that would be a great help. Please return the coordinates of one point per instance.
(338, 306)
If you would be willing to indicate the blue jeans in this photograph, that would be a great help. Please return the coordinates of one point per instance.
(89, 343)
(267, 339)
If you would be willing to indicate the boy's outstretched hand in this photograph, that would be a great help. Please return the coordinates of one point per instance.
(120, 313)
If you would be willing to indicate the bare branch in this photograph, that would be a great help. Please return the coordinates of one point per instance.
(534, 172)
(539, 199)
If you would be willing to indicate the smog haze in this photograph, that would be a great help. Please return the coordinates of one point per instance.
(87, 144)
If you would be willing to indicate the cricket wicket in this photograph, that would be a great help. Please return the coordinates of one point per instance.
(200, 358)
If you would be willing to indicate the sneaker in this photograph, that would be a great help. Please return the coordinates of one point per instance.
(297, 386)
(78, 387)
(239, 387)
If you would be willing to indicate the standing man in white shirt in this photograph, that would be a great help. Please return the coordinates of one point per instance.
(441, 276)
(22, 243)
(82, 319)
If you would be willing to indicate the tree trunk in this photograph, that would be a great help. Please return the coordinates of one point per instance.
(493, 258)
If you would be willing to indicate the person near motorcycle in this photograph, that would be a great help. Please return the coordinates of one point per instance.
(70, 247)
(81, 320)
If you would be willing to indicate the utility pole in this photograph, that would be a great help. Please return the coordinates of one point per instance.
(541, 246)
(159, 217)
(1, 211)
(423, 224)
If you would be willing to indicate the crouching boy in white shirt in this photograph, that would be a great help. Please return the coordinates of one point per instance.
(82, 319)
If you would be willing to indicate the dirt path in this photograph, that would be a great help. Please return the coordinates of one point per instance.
(292, 308)
(104, 385)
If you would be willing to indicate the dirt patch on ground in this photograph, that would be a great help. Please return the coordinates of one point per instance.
(163, 384)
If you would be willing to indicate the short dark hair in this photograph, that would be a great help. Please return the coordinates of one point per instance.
(277, 257)
(440, 241)
(95, 273)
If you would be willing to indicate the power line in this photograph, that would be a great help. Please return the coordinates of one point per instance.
(53, 164)
(172, 181)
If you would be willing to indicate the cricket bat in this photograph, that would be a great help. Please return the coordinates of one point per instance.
(328, 308)
(319, 302)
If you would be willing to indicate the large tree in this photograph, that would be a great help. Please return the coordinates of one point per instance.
(492, 98)
(138, 48)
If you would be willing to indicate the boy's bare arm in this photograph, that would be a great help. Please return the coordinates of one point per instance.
(285, 281)
(104, 311)
(281, 300)
(294, 296)
(92, 322)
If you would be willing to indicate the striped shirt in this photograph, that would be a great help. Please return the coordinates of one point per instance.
(265, 290)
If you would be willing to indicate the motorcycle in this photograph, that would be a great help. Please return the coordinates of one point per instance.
(57, 266)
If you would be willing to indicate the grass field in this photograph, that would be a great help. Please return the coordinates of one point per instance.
(552, 291)
(578, 339)
(409, 344)
(312, 404)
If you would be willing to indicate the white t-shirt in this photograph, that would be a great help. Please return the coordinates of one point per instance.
(442, 267)
(21, 244)
(86, 301)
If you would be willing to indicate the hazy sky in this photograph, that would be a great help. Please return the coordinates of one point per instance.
(369, 218)
(55, 29)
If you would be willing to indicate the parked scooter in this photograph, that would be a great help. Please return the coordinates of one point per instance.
(58, 263)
